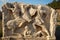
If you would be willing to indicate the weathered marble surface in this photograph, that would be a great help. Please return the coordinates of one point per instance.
(28, 21)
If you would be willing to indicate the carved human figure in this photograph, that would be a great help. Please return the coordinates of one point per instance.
(27, 32)
(17, 16)
(40, 22)
(11, 25)
(40, 31)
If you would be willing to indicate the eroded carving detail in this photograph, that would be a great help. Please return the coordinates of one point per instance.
(29, 20)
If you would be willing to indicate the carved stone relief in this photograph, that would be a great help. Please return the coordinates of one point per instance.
(25, 20)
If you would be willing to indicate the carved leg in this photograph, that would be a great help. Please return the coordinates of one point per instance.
(45, 30)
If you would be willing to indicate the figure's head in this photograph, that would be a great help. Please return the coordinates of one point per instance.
(26, 27)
